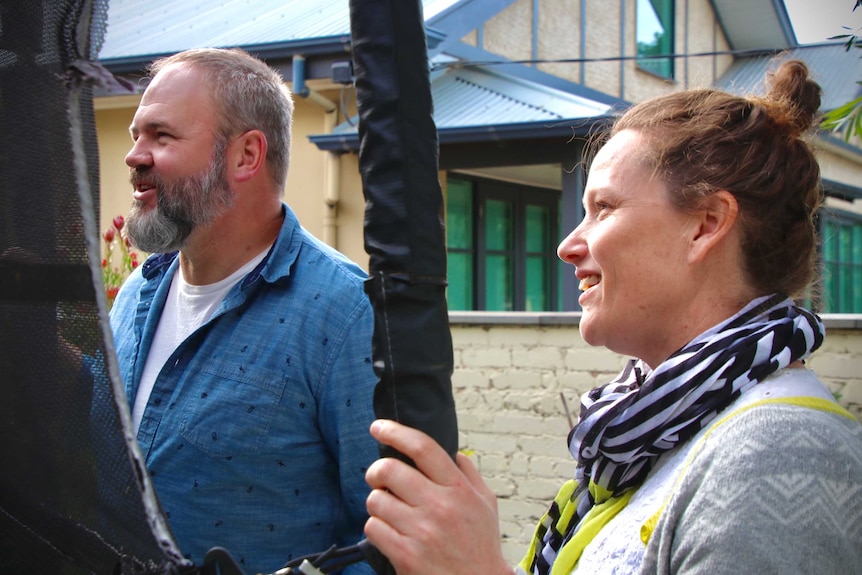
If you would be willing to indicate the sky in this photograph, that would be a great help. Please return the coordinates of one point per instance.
(814, 21)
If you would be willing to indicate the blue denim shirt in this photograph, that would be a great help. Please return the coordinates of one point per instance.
(256, 431)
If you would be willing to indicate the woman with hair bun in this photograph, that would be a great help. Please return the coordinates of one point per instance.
(716, 450)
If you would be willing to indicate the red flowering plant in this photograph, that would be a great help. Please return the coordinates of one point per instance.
(114, 275)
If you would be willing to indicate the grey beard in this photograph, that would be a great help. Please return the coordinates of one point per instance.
(157, 232)
(182, 206)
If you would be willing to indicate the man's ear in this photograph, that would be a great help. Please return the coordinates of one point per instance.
(716, 219)
(247, 155)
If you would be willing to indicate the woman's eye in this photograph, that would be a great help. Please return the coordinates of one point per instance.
(601, 207)
(597, 208)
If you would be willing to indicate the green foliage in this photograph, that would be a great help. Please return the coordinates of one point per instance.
(846, 119)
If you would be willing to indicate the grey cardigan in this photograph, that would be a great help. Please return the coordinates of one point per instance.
(774, 485)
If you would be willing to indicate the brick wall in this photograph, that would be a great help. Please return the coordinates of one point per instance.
(514, 376)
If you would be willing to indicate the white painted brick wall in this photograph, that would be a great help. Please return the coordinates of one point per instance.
(510, 373)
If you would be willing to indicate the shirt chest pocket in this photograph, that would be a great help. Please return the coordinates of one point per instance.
(230, 413)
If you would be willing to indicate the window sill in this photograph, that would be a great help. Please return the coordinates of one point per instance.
(846, 321)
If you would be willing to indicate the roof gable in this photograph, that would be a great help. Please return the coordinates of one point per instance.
(755, 24)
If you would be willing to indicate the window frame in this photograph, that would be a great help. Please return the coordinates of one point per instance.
(834, 215)
(518, 196)
(650, 64)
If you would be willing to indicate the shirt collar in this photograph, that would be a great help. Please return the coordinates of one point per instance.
(278, 262)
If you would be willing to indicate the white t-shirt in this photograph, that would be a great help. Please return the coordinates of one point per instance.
(187, 308)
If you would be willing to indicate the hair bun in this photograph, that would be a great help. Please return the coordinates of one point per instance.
(791, 88)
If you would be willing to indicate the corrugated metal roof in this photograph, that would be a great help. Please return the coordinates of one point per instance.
(138, 28)
(478, 97)
(482, 102)
(835, 69)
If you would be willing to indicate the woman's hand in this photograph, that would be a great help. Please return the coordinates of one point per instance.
(436, 518)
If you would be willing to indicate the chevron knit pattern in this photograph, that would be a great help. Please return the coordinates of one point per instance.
(776, 489)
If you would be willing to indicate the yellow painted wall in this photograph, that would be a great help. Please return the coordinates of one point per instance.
(113, 117)
(308, 177)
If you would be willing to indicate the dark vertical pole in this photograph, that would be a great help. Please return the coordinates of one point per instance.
(404, 231)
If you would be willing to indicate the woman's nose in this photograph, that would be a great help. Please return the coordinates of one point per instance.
(573, 247)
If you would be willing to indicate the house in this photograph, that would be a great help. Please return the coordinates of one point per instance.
(519, 87)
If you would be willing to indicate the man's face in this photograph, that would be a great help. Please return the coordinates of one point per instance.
(182, 204)
(177, 163)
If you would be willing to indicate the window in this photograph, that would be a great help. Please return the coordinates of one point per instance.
(501, 243)
(459, 244)
(655, 31)
(841, 250)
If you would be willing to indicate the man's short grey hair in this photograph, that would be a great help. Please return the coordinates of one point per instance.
(250, 96)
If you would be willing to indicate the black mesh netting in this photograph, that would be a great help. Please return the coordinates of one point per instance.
(73, 494)
(75, 497)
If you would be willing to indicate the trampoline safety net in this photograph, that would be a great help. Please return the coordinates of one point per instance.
(74, 494)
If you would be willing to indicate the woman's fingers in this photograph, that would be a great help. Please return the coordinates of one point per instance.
(434, 518)
(411, 485)
(381, 501)
(431, 459)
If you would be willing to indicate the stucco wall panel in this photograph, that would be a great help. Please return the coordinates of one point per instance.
(509, 33)
(560, 37)
(112, 131)
(836, 166)
(602, 41)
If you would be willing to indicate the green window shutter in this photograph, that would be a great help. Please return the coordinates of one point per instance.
(856, 272)
(459, 241)
(538, 253)
(841, 254)
(499, 256)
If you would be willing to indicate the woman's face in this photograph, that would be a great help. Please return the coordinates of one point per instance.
(631, 256)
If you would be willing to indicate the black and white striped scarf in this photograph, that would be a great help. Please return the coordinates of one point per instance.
(625, 425)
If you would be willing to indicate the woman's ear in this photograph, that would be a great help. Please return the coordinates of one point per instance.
(247, 155)
(717, 217)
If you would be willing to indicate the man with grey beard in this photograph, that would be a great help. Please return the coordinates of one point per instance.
(183, 204)
(244, 343)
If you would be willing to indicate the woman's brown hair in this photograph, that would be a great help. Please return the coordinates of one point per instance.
(703, 141)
